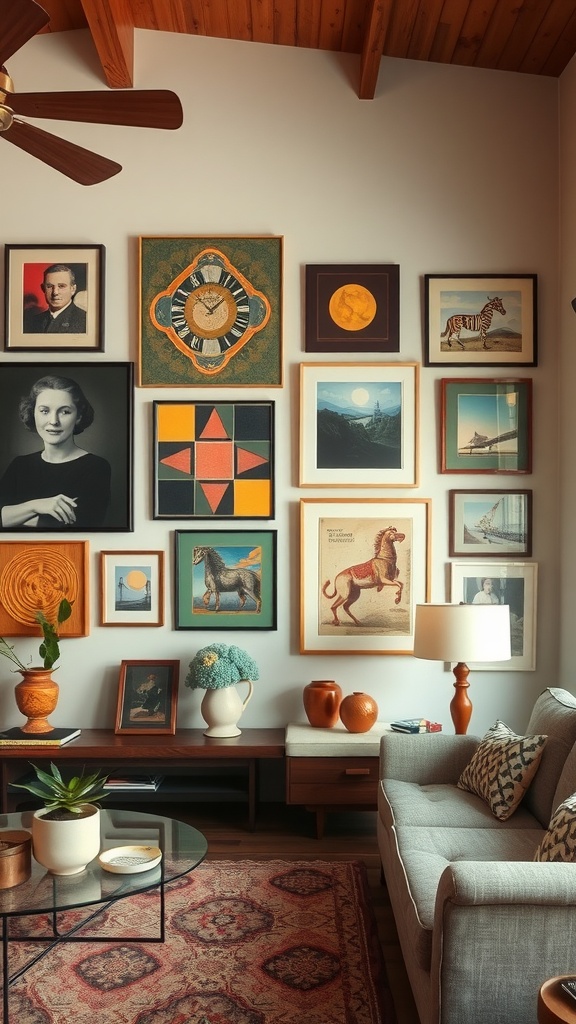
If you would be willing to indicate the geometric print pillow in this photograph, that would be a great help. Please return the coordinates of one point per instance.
(559, 843)
(502, 768)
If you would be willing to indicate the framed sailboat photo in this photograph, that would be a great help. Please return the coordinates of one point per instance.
(494, 524)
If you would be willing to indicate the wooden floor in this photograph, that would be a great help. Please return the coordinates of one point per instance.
(289, 833)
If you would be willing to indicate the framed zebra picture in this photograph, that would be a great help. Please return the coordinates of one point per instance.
(490, 524)
(479, 320)
(225, 579)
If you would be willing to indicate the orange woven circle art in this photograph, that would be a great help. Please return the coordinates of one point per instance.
(35, 580)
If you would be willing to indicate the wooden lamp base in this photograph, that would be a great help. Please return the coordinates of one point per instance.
(461, 705)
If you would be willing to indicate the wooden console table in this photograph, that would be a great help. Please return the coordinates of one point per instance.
(332, 769)
(194, 766)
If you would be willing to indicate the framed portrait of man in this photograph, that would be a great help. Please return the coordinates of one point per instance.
(54, 298)
(66, 440)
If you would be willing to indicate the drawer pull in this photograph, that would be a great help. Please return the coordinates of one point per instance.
(356, 771)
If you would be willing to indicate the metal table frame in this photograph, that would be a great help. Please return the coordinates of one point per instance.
(183, 848)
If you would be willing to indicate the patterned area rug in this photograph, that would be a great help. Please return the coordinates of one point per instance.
(248, 942)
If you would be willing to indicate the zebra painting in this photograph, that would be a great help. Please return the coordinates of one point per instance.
(479, 322)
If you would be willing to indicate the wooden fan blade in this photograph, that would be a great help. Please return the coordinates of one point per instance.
(75, 162)
(21, 19)
(140, 108)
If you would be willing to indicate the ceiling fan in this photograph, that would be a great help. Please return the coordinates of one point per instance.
(144, 108)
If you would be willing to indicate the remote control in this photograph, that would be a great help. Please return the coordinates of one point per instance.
(569, 987)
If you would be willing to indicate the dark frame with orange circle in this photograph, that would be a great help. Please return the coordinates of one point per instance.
(352, 307)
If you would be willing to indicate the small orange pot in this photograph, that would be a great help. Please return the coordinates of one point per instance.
(36, 697)
(358, 712)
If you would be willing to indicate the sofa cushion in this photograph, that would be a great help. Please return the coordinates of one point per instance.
(559, 843)
(567, 781)
(554, 715)
(502, 768)
(426, 852)
(442, 804)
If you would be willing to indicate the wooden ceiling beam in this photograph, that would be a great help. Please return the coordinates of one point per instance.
(112, 29)
(378, 14)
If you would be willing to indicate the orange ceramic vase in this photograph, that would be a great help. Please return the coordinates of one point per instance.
(36, 697)
(322, 702)
(358, 712)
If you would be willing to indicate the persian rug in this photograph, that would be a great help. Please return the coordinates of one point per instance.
(247, 942)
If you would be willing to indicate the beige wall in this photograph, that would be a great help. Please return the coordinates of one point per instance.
(446, 170)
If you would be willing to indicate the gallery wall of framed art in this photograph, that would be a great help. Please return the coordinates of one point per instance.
(380, 243)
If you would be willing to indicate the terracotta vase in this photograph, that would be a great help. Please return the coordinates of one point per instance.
(36, 697)
(322, 702)
(358, 712)
(222, 708)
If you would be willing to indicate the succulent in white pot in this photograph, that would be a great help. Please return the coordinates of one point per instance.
(66, 831)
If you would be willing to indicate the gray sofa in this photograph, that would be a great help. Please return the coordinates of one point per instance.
(481, 925)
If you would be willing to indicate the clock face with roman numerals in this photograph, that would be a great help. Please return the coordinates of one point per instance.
(210, 311)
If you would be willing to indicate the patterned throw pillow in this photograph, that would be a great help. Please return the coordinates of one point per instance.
(559, 843)
(502, 768)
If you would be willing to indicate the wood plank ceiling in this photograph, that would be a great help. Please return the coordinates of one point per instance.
(535, 37)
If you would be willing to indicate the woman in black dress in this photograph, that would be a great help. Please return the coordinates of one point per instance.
(63, 485)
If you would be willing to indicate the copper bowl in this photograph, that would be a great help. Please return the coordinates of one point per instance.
(15, 857)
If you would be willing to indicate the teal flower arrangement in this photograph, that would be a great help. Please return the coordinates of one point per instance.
(220, 665)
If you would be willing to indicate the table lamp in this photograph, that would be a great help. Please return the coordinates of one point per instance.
(460, 633)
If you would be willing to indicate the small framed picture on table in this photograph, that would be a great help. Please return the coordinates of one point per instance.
(147, 697)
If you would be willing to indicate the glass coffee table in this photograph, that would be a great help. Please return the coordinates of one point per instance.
(183, 848)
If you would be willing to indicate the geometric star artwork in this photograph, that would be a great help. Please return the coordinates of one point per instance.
(213, 460)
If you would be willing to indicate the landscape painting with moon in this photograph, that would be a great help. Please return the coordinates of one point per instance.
(359, 425)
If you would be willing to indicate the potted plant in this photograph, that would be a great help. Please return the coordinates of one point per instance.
(37, 693)
(66, 830)
(216, 669)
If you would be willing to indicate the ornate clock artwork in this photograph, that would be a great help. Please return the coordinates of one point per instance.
(210, 311)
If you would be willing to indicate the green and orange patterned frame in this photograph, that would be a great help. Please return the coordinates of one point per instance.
(213, 460)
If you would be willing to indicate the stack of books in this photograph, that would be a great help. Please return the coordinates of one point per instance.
(16, 738)
(132, 782)
(415, 725)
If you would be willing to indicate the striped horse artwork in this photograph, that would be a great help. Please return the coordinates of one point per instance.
(477, 322)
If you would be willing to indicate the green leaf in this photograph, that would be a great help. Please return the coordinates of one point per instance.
(64, 610)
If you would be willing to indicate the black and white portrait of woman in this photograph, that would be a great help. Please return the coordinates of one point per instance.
(66, 447)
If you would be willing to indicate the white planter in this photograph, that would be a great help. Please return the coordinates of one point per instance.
(66, 847)
(222, 708)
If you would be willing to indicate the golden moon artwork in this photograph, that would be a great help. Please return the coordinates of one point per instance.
(352, 307)
(136, 579)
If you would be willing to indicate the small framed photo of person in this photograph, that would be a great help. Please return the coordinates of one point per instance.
(66, 440)
(54, 298)
(147, 697)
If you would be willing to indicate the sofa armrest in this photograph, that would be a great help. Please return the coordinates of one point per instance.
(482, 883)
(425, 758)
(500, 930)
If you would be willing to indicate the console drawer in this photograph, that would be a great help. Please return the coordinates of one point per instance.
(332, 780)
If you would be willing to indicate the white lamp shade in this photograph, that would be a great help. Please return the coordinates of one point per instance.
(462, 632)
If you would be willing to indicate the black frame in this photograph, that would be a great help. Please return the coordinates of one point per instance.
(380, 280)
(518, 321)
(246, 426)
(110, 389)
